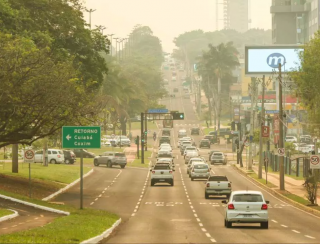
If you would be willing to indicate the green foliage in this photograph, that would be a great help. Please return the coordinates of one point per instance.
(290, 146)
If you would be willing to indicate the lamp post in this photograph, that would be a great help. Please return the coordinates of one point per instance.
(116, 46)
(90, 11)
(110, 43)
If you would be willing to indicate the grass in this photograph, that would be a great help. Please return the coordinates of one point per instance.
(207, 130)
(106, 149)
(254, 176)
(300, 200)
(88, 223)
(137, 162)
(54, 172)
(5, 212)
(137, 126)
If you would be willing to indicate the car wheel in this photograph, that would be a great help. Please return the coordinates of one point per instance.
(172, 183)
(264, 225)
(67, 161)
(122, 166)
(228, 224)
(53, 161)
(152, 183)
(206, 195)
(191, 178)
(95, 162)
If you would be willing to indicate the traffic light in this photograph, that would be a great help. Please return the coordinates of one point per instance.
(178, 116)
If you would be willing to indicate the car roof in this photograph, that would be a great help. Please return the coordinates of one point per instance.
(204, 140)
(246, 192)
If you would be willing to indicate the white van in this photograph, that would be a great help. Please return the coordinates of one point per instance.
(182, 133)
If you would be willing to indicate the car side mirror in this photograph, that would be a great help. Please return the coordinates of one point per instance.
(267, 202)
(224, 201)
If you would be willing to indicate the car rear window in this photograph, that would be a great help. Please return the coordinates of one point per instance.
(247, 198)
(120, 155)
(201, 166)
(161, 167)
(217, 154)
(218, 178)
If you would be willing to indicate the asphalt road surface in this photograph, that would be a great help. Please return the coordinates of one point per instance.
(181, 214)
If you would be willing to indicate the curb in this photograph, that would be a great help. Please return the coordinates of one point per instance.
(66, 188)
(34, 205)
(105, 234)
(11, 216)
(273, 192)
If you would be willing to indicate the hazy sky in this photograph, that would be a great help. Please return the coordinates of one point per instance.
(167, 18)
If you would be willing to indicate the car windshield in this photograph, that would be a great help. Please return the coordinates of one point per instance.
(217, 155)
(247, 198)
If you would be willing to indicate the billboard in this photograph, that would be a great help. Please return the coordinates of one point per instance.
(263, 60)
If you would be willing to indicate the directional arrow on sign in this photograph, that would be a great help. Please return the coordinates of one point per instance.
(68, 137)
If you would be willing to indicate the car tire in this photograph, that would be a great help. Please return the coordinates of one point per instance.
(206, 195)
(191, 178)
(67, 161)
(122, 166)
(264, 225)
(53, 161)
(172, 183)
(152, 183)
(228, 224)
(95, 162)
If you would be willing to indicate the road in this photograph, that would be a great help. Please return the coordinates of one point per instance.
(181, 214)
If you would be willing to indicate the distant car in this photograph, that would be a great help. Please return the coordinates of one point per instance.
(195, 131)
(174, 78)
(246, 207)
(166, 132)
(164, 139)
(85, 153)
(218, 157)
(291, 139)
(110, 159)
(69, 157)
(182, 133)
(223, 132)
(204, 143)
(199, 171)
(217, 185)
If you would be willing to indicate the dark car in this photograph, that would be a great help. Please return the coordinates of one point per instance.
(166, 132)
(204, 143)
(164, 139)
(212, 138)
(223, 132)
(85, 153)
(69, 157)
(195, 131)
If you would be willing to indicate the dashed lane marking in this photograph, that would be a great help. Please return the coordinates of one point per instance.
(213, 240)
(96, 199)
(311, 237)
(208, 235)
(203, 229)
(295, 231)
(284, 226)
(198, 219)
(200, 224)
(91, 203)
(274, 221)
(14, 226)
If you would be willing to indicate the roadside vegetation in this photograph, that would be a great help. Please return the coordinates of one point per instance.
(80, 225)
(5, 212)
(137, 162)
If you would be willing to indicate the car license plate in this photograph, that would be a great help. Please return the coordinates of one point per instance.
(161, 180)
(247, 215)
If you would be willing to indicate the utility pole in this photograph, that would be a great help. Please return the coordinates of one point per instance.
(199, 97)
(262, 123)
(253, 97)
(281, 144)
(116, 54)
(142, 138)
(219, 101)
(90, 11)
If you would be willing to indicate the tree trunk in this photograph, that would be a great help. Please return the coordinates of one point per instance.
(45, 152)
(210, 111)
(123, 122)
(105, 122)
(15, 158)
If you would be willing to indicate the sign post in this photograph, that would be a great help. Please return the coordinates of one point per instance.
(81, 137)
(29, 158)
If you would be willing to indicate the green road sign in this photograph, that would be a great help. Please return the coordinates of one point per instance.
(81, 137)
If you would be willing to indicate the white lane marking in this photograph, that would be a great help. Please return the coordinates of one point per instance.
(91, 203)
(105, 188)
(14, 226)
(191, 206)
(203, 229)
(277, 198)
(208, 235)
(36, 218)
(213, 172)
(201, 224)
(103, 192)
(139, 202)
(284, 226)
(100, 195)
(137, 206)
(96, 199)
(274, 221)
(311, 237)
(193, 210)
(198, 219)
(295, 231)
(141, 195)
(133, 214)
(135, 210)
(213, 240)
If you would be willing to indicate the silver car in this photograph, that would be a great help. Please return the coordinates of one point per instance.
(200, 171)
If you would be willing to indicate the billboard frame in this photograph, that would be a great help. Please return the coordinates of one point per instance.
(256, 74)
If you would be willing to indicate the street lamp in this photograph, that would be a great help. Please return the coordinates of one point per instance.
(110, 43)
(90, 11)
(116, 45)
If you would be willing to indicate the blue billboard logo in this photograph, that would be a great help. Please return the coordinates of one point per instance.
(275, 59)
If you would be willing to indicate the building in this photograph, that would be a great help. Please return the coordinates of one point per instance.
(294, 21)
(236, 15)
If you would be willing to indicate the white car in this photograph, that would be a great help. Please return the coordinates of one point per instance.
(246, 207)
(200, 171)
(54, 156)
(193, 162)
(182, 133)
(190, 149)
(174, 78)
(291, 139)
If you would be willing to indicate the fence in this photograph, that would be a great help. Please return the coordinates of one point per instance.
(295, 166)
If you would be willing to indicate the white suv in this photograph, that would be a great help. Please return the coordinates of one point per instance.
(54, 156)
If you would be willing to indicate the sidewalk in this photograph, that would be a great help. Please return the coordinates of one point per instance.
(291, 185)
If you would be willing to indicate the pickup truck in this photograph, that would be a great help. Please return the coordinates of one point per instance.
(217, 185)
(162, 173)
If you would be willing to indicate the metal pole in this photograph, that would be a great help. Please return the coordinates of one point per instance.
(281, 144)
(262, 123)
(29, 180)
(142, 138)
(146, 125)
(315, 171)
(138, 154)
(253, 86)
(81, 179)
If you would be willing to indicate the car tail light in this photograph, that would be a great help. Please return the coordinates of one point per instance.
(229, 185)
(153, 172)
(230, 206)
(208, 184)
(59, 156)
(170, 171)
(264, 207)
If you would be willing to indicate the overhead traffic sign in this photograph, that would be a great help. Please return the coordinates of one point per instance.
(157, 111)
(314, 162)
(81, 137)
(29, 156)
(281, 152)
